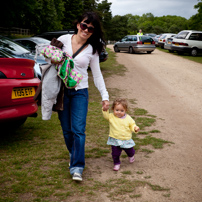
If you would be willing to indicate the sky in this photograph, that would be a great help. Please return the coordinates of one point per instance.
(183, 8)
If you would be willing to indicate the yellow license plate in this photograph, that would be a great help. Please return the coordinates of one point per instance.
(23, 92)
(169, 42)
(177, 44)
(147, 43)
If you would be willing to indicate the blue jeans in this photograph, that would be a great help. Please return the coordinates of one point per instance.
(73, 122)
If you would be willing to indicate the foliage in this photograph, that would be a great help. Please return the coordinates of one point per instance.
(105, 14)
(119, 28)
(72, 10)
(51, 15)
(195, 20)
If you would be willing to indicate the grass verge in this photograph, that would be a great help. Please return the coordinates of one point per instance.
(34, 158)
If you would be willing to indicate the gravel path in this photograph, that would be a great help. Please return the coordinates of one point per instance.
(169, 87)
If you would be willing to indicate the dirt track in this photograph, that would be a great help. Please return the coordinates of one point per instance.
(169, 87)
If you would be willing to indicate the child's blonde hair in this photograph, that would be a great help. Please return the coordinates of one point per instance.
(121, 101)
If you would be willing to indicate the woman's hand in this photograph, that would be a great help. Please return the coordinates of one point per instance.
(105, 105)
(55, 63)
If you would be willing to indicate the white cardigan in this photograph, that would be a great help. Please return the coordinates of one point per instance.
(51, 84)
(81, 62)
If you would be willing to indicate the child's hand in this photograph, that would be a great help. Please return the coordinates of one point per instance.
(105, 105)
(136, 129)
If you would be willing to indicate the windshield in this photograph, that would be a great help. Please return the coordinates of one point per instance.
(145, 39)
(181, 35)
(11, 47)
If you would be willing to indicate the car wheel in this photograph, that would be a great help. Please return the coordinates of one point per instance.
(116, 49)
(131, 50)
(149, 52)
(194, 52)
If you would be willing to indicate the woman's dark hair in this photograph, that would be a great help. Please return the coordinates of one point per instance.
(96, 39)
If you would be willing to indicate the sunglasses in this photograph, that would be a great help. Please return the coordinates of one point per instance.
(84, 27)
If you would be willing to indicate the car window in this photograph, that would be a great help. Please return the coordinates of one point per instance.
(145, 39)
(134, 38)
(28, 44)
(130, 38)
(124, 39)
(11, 47)
(196, 36)
(181, 35)
(151, 35)
(2, 55)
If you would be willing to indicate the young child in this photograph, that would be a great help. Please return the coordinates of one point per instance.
(120, 134)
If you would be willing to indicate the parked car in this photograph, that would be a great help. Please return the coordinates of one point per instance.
(31, 42)
(152, 35)
(163, 37)
(156, 38)
(56, 34)
(188, 41)
(103, 55)
(135, 43)
(18, 84)
(10, 48)
(168, 44)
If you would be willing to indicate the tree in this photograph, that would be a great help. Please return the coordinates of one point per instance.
(132, 23)
(195, 22)
(103, 10)
(48, 15)
(73, 9)
(89, 5)
(119, 28)
(38, 16)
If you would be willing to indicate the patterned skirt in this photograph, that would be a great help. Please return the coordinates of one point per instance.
(122, 143)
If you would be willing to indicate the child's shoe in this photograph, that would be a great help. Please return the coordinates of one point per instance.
(131, 159)
(116, 167)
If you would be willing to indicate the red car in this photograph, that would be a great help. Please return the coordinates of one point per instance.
(18, 84)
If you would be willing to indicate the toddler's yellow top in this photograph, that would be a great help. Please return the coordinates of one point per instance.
(120, 129)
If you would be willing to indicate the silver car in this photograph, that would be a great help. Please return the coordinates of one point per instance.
(10, 48)
(135, 43)
(188, 41)
(31, 42)
(168, 44)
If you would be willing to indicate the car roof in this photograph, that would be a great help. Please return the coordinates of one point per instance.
(196, 31)
(35, 39)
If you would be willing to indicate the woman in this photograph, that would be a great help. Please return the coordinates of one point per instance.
(73, 117)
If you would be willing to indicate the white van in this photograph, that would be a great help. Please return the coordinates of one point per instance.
(189, 41)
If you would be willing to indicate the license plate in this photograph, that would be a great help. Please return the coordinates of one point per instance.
(147, 43)
(177, 44)
(23, 92)
(169, 42)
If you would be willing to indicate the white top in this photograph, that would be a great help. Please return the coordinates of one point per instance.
(81, 63)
